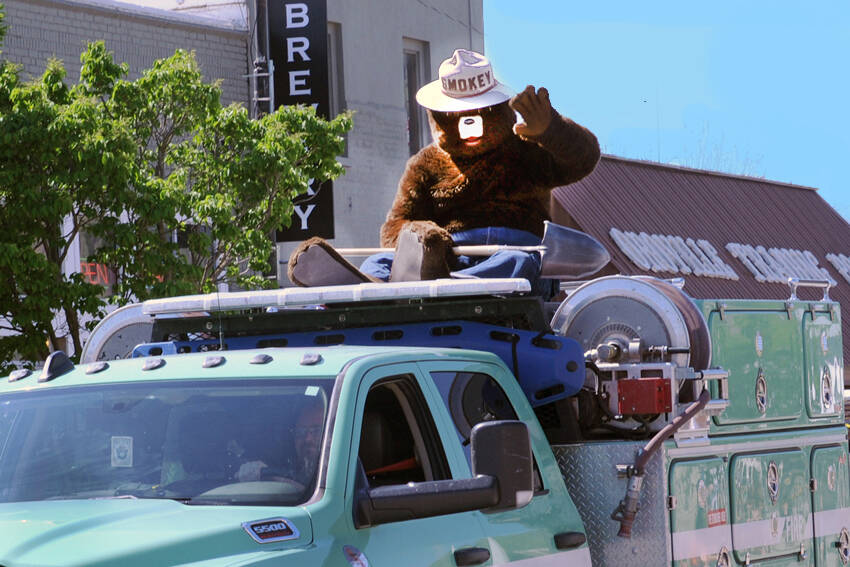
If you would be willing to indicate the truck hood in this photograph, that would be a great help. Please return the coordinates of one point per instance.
(139, 532)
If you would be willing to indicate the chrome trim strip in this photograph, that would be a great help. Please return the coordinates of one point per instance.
(790, 442)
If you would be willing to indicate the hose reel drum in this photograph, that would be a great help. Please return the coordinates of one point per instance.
(621, 309)
(642, 337)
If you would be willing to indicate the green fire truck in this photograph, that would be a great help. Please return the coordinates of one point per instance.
(449, 422)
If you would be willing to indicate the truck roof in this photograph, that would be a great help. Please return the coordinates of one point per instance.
(312, 362)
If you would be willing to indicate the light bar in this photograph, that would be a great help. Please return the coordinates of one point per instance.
(301, 296)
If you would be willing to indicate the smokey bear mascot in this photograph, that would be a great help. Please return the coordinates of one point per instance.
(485, 179)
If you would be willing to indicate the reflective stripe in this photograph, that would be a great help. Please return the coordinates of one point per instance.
(574, 558)
(761, 533)
(701, 543)
(708, 541)
(830, 522)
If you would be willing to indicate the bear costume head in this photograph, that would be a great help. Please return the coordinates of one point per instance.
(467, 107)
(492, 124)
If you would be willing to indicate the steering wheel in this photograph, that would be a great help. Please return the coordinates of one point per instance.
(274, 475)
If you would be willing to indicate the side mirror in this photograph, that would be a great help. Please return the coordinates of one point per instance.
(513, 469)
(502, 479)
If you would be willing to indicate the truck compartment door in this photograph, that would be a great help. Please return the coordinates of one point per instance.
(699, 515)
(822, 351)
(831, 506)
(762, 350)
(771, 506)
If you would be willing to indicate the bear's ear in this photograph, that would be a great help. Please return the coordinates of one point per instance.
(443, 129)
(501, 113)
(438, 120)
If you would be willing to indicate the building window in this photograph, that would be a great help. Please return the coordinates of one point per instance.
(416, 72)
(336, 82)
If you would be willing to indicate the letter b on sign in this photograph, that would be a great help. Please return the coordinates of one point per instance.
(297, 16)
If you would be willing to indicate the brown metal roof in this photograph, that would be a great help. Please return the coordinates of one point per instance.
(639, 196)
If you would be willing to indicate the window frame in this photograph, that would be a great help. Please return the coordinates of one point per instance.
(419, 51)
(494, 373)
(406, 384)
(336, 76)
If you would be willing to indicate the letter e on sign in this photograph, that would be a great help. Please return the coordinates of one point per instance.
(298, 82)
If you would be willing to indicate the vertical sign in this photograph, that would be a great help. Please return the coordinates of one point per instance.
(298, 45)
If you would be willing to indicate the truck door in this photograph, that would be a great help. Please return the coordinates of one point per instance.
(395, 441)
(548, 531)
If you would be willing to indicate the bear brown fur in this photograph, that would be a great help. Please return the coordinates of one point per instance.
(504, 180)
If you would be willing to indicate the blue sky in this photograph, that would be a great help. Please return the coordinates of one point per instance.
(751, 87)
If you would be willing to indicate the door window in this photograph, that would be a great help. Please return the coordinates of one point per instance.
(473, 398)
(398, 439)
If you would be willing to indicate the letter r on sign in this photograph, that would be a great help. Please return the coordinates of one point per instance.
(299, 46)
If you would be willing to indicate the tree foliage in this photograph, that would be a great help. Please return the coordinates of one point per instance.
(61, 168)
(181, 191)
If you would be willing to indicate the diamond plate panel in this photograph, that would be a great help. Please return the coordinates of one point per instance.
(589, 471)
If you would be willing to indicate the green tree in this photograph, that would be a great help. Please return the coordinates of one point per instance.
(62, 166)
(220, 180)
(138, 164)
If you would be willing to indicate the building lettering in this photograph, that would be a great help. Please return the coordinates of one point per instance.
(841, 263)
(297, 46)
(303, 214)
(666, 253)
(776, 265)
(95, 273)
(298, 16)
(677, 255)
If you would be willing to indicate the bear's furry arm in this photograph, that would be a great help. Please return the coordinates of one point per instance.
(412, 200)
(571, 152)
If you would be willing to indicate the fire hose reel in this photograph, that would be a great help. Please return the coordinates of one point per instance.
(637, 329)
(621, 309)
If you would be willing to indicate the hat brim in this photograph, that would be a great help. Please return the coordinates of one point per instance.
(431, 96)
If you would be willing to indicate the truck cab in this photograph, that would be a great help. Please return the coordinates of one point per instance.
(254, 457)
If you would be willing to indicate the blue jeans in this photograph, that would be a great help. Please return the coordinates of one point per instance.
(502, 264)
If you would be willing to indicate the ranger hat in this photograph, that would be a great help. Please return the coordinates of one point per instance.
(466, 83)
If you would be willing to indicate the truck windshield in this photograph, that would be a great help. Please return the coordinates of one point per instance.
(202, 442)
